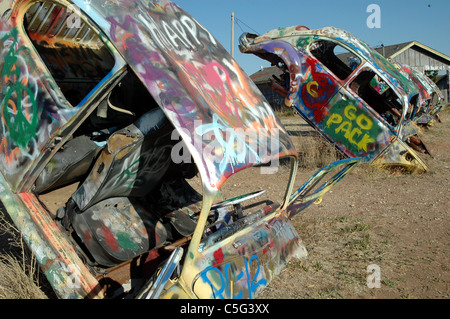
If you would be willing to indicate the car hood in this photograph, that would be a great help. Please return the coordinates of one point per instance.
(222, 117)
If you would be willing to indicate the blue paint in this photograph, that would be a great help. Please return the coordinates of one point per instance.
(221, 288)
(233, 146)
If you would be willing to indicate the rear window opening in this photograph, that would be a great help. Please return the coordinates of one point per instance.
(336, 58)
(380, 97)
(72, 51)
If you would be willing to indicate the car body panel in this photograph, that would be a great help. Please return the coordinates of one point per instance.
(240, 267)
(432, 99)
(326, 99)
(53, 250)
(188, 62)
(234, 264)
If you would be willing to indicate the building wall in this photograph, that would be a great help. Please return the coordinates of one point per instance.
(275, 99)
(422, 62)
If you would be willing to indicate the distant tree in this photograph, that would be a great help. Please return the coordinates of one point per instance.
(433, 75)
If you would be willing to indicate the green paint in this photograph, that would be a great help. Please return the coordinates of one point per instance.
(19, 107)
(129, 176)
(124, 241)
(352, 126)
(21, 129)
(303, 42)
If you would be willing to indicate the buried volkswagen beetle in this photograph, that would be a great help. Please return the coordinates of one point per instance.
(353, 96)
(122, 123)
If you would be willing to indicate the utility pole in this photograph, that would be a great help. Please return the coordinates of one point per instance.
(232, 34)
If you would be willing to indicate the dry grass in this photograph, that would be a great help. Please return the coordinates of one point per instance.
(19, 271)
(315, 152)
(17, 279)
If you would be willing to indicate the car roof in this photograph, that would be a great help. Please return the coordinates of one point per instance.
(387, 69)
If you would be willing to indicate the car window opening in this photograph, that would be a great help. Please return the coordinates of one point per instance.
(378, 96)
(336, 58)
(74, 54)
(414, 109)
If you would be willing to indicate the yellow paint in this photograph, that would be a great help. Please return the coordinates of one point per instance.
(314, 94)
(353, 127)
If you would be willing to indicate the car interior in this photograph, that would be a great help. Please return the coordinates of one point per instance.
(125, 197)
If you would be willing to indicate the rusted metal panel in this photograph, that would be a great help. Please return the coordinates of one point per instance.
(52, 248)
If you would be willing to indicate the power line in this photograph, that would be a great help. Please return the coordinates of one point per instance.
(238, 21)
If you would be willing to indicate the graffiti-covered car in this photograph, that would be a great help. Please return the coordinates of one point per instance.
(347, 91)
(431, 99)
(120, 107)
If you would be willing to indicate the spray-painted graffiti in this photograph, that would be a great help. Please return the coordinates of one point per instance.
(19, 109)
(231, 143)
(230, 279)
(242, 267)
(335, 95)
(353, 128)
(28, 114)
(120, 218)
(318, 90)
(190, 74)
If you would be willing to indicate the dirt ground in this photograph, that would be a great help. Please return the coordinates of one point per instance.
(399, 223)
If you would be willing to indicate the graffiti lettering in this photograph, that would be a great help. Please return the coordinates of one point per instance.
(226, 286)
(317, 92)
(226, 144)
(191, 75)
(355, 128)
(177, 33)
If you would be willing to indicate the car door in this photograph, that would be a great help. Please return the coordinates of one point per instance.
(347, 120)
(80, 68)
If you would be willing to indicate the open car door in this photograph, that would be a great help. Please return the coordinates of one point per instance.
(309, 193)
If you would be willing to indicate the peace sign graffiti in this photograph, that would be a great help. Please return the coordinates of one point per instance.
(19, 114)
(19, 107)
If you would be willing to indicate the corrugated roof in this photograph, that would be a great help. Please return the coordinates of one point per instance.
(390, 50)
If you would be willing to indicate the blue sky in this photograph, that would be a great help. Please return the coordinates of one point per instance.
(425, 21)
